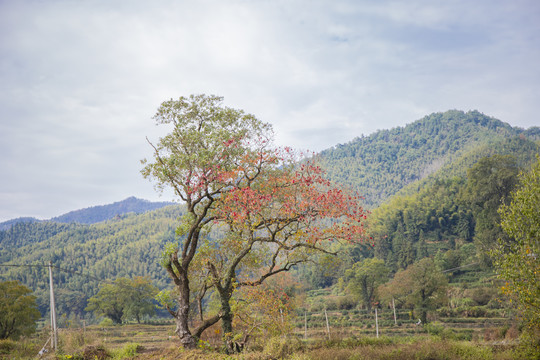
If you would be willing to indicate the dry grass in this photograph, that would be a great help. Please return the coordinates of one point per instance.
(153, 342)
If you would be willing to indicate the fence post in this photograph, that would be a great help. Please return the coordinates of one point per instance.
(305, 325)
(327, 325)
(377, 323)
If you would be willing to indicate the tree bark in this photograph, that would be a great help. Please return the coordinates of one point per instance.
(182, 315)
(226, 319)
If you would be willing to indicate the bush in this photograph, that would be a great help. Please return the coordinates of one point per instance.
(7, 346)
(434, 328)
(128, 351)
(278, 347)
(346, 302)
(95, 353)
(106, 322)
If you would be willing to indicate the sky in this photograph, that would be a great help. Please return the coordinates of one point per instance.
(81, 80)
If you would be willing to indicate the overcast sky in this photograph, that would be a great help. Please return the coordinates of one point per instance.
(81, 80)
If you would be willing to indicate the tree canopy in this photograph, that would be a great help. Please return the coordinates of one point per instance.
(421, 287)
(273, 209)
(125, 299)
(364, 278)
(18, 310)
(518, 260)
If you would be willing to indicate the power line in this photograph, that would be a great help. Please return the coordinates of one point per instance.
(459, 267)
(110, 282)
(59, 268)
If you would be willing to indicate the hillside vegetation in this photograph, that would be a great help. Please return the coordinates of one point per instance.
(381, 164)
(127, 246)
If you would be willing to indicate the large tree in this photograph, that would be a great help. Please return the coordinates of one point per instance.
(18, 310)
(270, 211)
(518, 261)
(489, 184)
(124, 299)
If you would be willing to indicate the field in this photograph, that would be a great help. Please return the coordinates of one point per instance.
(472, 339)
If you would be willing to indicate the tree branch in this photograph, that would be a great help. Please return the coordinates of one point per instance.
(205, 325)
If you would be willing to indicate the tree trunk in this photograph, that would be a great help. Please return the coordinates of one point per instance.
(182, 317)
(423, 316)
(226, 321)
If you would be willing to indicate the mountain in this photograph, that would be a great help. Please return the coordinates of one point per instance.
(381, 164)
(96, 214)
(101, 213)
(7, 224)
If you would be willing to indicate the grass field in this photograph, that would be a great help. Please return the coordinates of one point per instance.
(433, 341)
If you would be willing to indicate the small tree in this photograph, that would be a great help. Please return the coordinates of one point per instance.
(124, 299)
(421, 286)
(518, 261)
(364, 278)
(18, 310)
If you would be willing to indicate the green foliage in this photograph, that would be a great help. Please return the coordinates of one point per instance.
(126, 247)
(518, 260)
(281, 347)
(364, 278)
(449, 214)
(128, 351)
(18, 310)
(421, 286)
(489, 184)
(380, 165)
(124, 300)
(7, 346)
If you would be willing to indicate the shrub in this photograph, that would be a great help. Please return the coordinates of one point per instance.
(346, 302)
(434, 328)
(7, 346)
(278, 347)
(128, 351)
(106, 322)
(95, 353)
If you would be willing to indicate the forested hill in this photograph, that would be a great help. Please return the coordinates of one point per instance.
(381, 164)
(128, 245)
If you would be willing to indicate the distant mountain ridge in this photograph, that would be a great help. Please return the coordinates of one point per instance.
(96, 214)
(101, 213)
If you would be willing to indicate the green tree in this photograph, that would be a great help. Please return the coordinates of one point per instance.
(421, 287)
(518, 261)
(364, 278)
(18, 310)
(489, 184)
(123, 300)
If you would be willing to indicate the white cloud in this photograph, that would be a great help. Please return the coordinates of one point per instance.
(80, 81)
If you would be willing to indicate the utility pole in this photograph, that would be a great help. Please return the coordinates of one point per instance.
(53, 311)
(394, 306)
